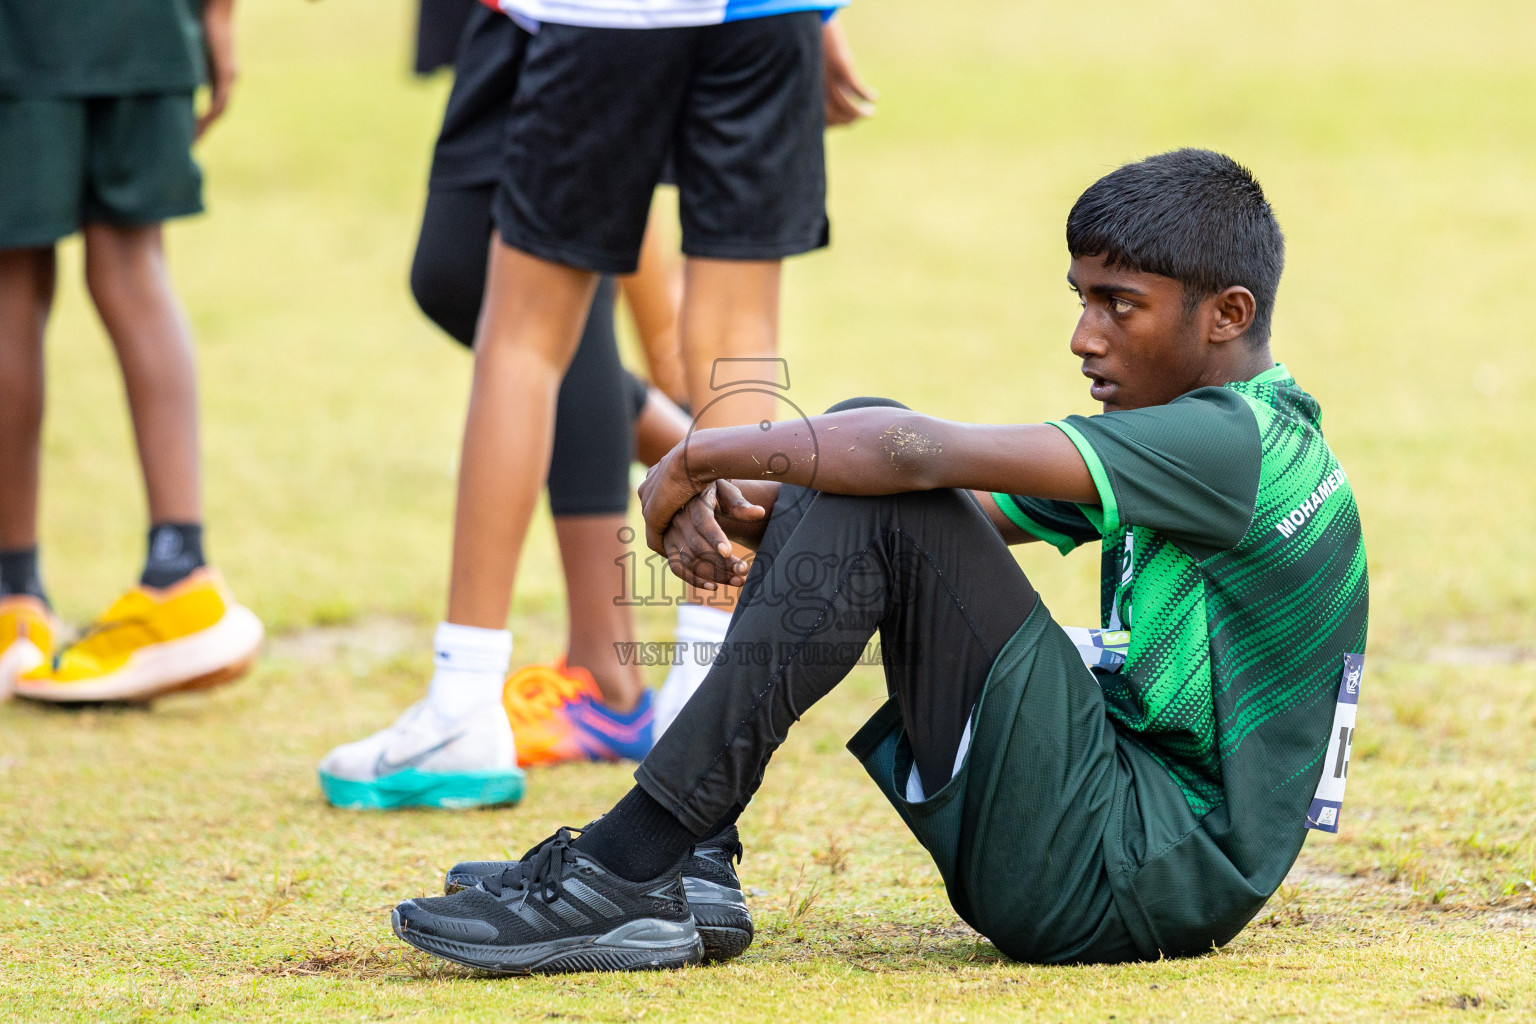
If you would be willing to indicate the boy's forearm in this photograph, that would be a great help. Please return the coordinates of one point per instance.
(869, 451)
(861, 451)
(886, 450)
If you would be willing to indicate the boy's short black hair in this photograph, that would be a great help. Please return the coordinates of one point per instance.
(1193, 215)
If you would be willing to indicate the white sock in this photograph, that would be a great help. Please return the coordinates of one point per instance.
(700, 629)
(471, 668)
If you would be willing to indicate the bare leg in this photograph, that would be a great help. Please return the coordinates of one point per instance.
(730, 310)
(529, 329)
(125, 271)
(26, 296)
(660, 427)
(653, 293)
(589, 547)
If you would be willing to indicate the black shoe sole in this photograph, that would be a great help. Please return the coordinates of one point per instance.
(722, 917)
(563, 956)
(724, 942)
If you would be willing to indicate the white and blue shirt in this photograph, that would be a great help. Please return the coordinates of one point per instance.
(653, 13)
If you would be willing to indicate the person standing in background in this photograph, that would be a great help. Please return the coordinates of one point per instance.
(97, 123)
(588, 705)
(604, 96)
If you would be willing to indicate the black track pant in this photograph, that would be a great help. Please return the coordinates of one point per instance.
(599, 399)
(926, 570)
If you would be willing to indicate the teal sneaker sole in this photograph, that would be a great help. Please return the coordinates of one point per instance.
(412, 787)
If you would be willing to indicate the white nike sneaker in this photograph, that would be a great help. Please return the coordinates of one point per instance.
(424, 760)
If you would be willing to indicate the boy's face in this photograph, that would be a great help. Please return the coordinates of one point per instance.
(1138, 345)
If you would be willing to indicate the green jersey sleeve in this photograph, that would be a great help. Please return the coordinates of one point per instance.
(1060, 524)
(1188, 469)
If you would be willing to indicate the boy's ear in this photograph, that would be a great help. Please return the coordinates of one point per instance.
(1232, 313)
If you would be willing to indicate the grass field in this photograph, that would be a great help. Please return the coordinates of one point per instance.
(178, 863)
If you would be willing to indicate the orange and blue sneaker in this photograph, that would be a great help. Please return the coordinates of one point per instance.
(558, 715)
(191, 635)
(26, 638)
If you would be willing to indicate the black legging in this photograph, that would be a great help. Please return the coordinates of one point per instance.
(599, 399)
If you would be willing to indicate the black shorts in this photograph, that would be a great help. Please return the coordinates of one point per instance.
(487, 56)
(439, 27)
(596, 112)
(485, 69)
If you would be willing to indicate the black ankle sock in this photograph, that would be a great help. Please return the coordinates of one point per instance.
(639, 839)
(19, 575)
(175, 550)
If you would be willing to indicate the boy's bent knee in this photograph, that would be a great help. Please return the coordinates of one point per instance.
(865, 403)
(945, 502)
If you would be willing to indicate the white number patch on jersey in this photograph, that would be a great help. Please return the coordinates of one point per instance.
(1328, 801)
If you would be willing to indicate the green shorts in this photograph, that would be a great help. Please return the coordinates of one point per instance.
(66, 162)
(1059, 838)
(1018, 833)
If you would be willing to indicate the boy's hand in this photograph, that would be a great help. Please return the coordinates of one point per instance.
(848, 98)
(665, 490)
(219, 42)
(695, 545)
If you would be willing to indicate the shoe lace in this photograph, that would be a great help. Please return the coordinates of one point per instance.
(537, 691)
(541, 871)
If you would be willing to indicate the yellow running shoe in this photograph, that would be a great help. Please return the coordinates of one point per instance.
(189, 636)
(26, 638)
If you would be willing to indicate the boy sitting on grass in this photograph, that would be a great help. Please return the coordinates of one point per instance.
(1138, 793)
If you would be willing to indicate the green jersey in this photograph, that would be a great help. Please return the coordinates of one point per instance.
(74, 48)
(1232, 555)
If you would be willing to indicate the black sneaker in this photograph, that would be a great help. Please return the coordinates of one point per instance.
(709, 880)
(559, 910)
(715, 897)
